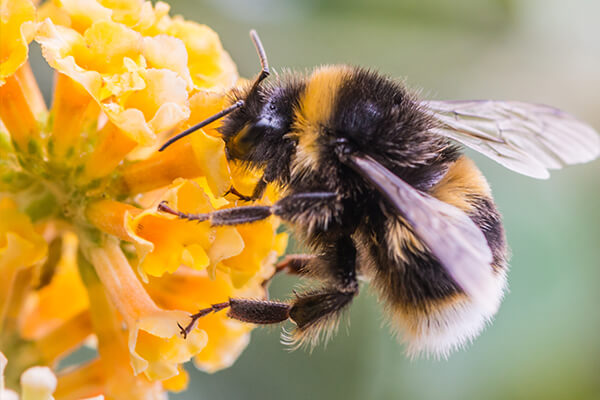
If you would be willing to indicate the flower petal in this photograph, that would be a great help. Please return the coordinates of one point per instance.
(82, 13)
(167, 52)
(3, 362)
(17, 27)
(178, 382)
(165, 242)
(210, 154)
(155, 345)
(22, 109)
(107, 61)
(210, 66)
(49, 308)
(226, 337)
(72, 111)
(20, 245)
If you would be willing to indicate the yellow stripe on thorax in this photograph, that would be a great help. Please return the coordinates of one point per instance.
(315, 109)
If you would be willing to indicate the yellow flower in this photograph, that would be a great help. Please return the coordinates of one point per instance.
(47, 308)
(17, 27)
(226, 337)
(84, 253)
(108, 61)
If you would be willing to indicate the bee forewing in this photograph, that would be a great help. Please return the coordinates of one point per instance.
(524, 137)
(449, 233)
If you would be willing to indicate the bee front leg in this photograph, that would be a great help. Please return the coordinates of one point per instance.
(257, 192)
(232, 190)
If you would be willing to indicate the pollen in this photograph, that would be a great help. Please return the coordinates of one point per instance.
(85, 255)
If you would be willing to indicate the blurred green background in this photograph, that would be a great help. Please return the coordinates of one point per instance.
(545, 340)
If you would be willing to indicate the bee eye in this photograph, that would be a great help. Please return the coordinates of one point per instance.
(247, 137)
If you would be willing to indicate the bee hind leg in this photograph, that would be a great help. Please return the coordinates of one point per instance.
(317, 314)
(261, 312)
(318, 311)
(314, 311)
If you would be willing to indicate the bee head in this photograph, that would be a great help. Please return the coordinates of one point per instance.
(257, 130)
(258, 119)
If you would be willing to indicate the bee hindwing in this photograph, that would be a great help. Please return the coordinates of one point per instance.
(526, 138)
(449, 233)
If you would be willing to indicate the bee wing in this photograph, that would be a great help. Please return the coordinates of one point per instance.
(449, 233)
(527, 138)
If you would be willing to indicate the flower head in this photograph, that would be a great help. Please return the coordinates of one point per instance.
(84, 252)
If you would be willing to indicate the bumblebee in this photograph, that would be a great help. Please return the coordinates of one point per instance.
(374, 183)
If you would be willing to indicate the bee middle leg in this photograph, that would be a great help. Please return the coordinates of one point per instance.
(292, 264)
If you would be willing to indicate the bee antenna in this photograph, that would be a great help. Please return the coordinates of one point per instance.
(262, 56)
(202, 124)
(264, 63)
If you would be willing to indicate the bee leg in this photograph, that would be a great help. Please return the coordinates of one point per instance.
(232, 190)
(293, 264)
(312, 311)
(313, 203)
(229, 216)
(259, 189)
(320, 309)
(261, 312)
(257, 192)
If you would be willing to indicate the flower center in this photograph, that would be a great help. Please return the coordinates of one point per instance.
(47, 184)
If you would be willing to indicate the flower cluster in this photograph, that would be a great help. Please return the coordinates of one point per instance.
(85, 257)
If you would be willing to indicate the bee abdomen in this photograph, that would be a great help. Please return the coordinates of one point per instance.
(433, 314)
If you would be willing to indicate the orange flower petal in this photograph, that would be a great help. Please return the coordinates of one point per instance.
(20, 109)
(204, 104)
(178, 382)
(112, 148)
(167, 52)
